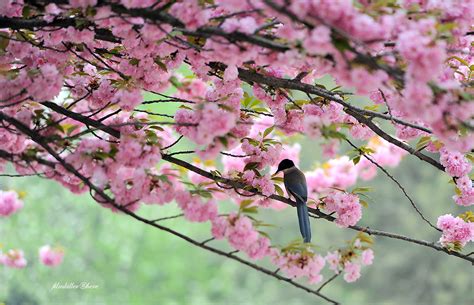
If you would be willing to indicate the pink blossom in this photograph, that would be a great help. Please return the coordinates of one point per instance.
(464, 183)
(334, 260)
(351, 272)
(9, 203)
(245, 25)
(466, 198)
(265, 185)
(367, 257)
(137, 3)
(319, 41)
(299, 264)
(194, 209)
(241, 234)
(11, 8)
(259, 249)
(47, 83)
(190, 13)
(455, 163)
(13, 258)
(455, 229)
(347, 207)
(128, 99)
(231, 73)
(219, 227)
(82, 3)
(51, 256)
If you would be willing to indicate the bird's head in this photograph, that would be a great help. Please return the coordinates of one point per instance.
(284, 164)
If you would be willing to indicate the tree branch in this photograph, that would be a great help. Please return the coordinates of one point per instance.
(250, 76)
(238, 185)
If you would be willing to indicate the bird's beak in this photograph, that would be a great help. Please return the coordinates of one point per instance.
(276, 172)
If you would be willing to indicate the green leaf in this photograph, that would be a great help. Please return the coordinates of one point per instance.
(251, 165)
(372, 107)
(356, 160)
(467, 216)
(223, 140)
(268, 131)
(340, 43)
(365, 238)
(278, 179)
(71, 129)
(4, 41)
(160, 64)
(250, 210)
(185, 107)
(264, 234)
(134, 61)
(423, 142)
(253, 141)
(366, 150)
(362, 189)
(457, 191)
(462, 61)
(279, 190)
(245, 203)
(470, 157)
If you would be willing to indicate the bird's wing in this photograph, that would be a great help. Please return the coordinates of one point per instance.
(295, 184)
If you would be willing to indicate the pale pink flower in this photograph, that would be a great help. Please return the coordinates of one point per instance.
(9, 203)
(13, 258)
(51, 256)
(333, 259)
(351, 272)
(367, 257)
(347, 207)
(455, 163)
(455, 229)
(82, 3)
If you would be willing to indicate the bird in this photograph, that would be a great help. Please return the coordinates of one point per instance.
(295, 184)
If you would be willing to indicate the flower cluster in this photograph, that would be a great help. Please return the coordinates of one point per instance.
(455, 163)
(48, 256)
(205, 124)
(299, 264)
(350, 260)
(9, 203)
(241, 234)
(194, 209)
(51, 256)
(13, 258)
(346, 206)
(455, 230)
(466, 191)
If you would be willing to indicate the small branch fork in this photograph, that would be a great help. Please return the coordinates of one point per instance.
(412, 202)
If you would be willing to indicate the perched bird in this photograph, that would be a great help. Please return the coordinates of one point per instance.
(295, 184)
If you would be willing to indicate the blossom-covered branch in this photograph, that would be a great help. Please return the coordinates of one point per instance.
(85, 81)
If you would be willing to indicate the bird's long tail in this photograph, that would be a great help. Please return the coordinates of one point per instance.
(303, 220)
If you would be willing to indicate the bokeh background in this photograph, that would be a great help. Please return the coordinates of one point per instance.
(132, 263)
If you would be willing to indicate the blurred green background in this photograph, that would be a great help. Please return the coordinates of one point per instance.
(132, 263)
